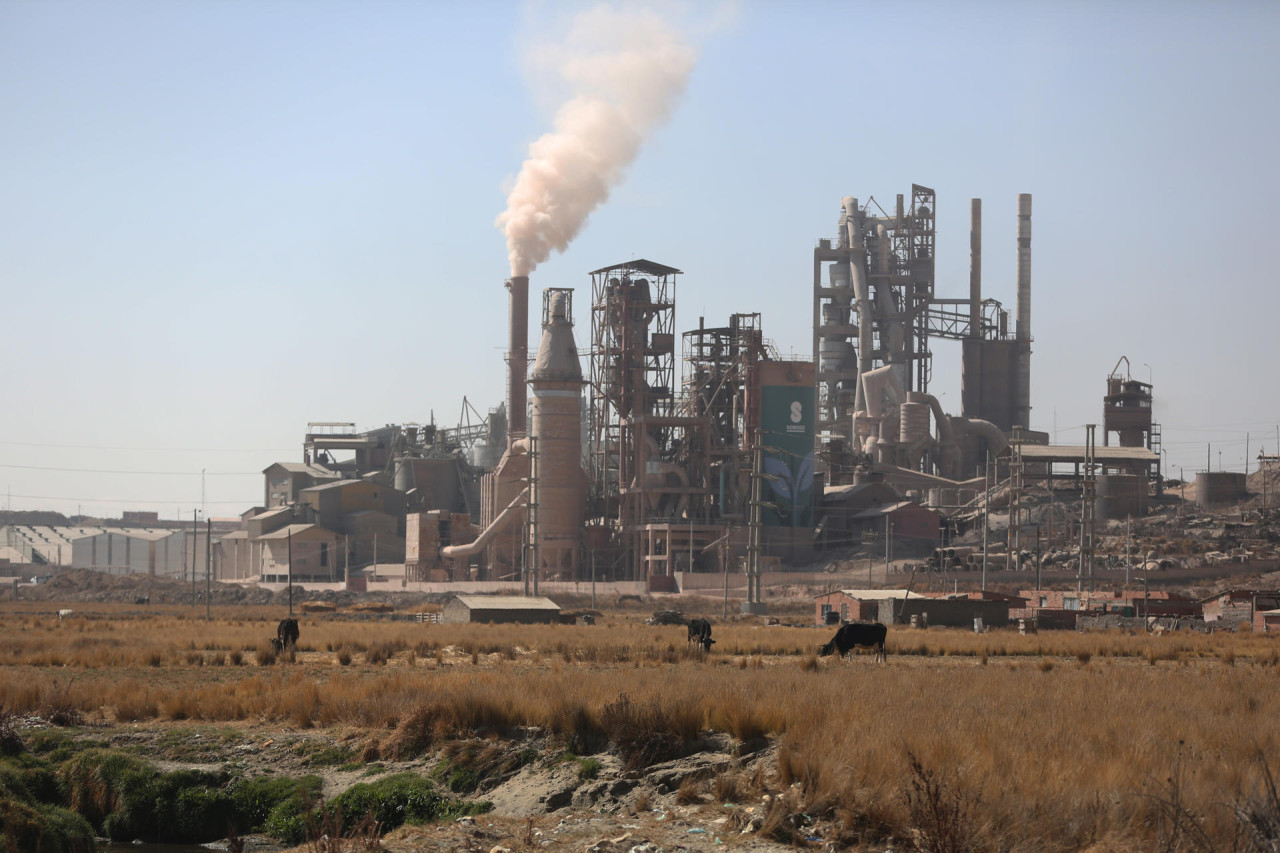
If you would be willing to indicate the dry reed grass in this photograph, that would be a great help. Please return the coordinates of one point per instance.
(1068, 742)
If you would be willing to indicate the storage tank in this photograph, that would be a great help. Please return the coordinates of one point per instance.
(1118, 496)
(559, 490)
(1218, 488)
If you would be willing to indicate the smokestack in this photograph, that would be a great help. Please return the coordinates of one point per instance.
(1022, 331)
(1023, 328)
(975, 268)
(517, 357)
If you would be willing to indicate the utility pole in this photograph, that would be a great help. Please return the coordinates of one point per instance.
(289, 557)
(195, 543)
(888, 538)
(986, 517)
(208, 565)
(1128, 543)
(1013, 538)
(754, 532)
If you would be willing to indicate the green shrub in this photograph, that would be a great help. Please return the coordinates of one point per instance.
(397, 799)
(43, 827)
(255, 799)
(129, 799)
(288, 817)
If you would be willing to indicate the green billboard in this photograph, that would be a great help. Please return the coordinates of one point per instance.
(786, 433)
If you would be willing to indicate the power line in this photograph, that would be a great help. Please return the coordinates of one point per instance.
(156, 449)
(125, 500)
(148, 473)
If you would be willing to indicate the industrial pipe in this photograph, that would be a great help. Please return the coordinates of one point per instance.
(504, 519)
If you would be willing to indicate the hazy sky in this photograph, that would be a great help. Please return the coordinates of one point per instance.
(222, 220)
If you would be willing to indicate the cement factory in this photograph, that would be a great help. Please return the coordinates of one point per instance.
(664, 454)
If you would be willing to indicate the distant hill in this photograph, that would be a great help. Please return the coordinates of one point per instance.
(34, 517)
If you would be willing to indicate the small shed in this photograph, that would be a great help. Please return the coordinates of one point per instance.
(1266, 621)
(855, 605)
(500, 608)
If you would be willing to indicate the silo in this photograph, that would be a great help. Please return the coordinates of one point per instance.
(1219, 488)
(559, 491)
(1120, 496)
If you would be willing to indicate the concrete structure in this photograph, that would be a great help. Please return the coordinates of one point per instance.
(500, 609)
(308, 552)
(286, 480)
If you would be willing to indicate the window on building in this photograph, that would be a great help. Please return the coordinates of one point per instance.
(844, 612)
(324, 553)
(826, 608)
(1070, 603)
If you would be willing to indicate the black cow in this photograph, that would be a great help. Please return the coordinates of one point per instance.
(286, 634)
(700, 633)
(857, 634)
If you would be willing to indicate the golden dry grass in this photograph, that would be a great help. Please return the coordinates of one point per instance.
(1058, 741)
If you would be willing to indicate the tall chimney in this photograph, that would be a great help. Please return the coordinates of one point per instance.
(1023, 328)
(1022, 331)
(518, 358)
(975, 268)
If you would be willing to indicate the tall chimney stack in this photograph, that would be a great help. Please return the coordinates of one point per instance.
(1022, 331)
(518, 358)
(975, 268)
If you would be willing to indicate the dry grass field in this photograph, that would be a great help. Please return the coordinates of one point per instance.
(1055, 741)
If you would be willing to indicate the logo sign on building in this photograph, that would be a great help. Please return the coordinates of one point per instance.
(786, 431)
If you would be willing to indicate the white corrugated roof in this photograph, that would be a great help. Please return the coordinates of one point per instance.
(507, 602)
(876, 594)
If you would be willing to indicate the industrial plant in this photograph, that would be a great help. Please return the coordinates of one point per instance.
(666, 457)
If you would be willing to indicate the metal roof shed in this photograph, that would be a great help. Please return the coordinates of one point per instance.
(500, 608)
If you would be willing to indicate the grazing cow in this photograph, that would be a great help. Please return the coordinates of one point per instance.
(63, 614)
(857, 634)
(700, 633)
(142, 599)
(286, 634)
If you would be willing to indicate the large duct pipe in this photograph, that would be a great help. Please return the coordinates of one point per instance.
(517, 357)
(975, 268)
(512, 513)
(1022, 331)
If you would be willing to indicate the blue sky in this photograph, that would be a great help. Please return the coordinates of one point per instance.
(223, 220)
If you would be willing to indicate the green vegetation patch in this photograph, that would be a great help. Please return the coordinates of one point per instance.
(321, 754)
(196, 744)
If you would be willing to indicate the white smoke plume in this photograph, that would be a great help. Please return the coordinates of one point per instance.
(624, 71)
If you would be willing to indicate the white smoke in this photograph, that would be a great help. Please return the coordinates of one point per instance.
(624, 71)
